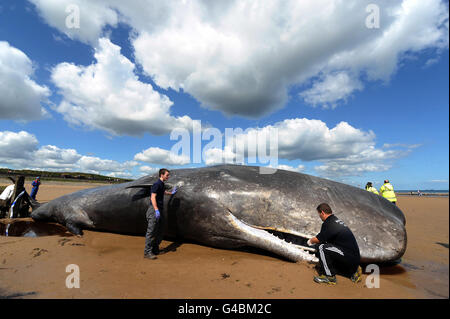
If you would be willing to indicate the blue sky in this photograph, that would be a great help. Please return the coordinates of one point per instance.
(352, 104)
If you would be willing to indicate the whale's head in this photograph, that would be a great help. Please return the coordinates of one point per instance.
(234, 205)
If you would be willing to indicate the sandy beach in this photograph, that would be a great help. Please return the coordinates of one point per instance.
(112, 265)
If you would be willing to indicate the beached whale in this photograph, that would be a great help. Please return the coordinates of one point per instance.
(231, 206)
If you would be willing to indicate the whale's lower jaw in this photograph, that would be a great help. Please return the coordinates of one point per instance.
(269, 239)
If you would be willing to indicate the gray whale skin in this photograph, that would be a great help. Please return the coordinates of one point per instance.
(233, 206)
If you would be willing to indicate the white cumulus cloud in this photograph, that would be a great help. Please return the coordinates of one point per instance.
(21, 96)
(107, 95)
(156, 155)
(16, 145)
(331, 89)
(95, 164)
(20, 150)
(309, 140)
(216, 156)
(342, 150)
(299, 168)
(147, 170)
(242, 57)
(83, 20)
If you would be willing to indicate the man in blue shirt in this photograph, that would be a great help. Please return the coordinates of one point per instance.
(154, 214)
(338, 251)
(35, 188)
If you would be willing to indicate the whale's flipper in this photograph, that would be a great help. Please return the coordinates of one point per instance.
(74, 229)
(33, 203)
(78, 221)
(141, 186)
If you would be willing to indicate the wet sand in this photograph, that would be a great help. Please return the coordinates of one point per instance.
(112, 265)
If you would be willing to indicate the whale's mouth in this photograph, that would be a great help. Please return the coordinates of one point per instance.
(291, 238)
(296, 239)
(286, 243)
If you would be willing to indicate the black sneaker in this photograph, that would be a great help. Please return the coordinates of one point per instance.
(150, 256)
(318, 269)
(156, 251)
(324, 279)
(356, 277)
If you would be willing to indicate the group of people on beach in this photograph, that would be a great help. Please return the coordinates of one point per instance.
(15, 194)
(386, 190)
(335, 245)
(9, 190)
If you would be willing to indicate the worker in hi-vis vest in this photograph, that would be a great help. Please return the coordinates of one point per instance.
(371, 189)
(387, 191)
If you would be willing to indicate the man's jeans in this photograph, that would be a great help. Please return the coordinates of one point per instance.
(153, 237)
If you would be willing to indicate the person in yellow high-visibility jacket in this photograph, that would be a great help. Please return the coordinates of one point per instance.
(387, 191)
(371, 189)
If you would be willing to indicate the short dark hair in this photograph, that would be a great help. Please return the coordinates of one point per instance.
(163, 171)
(324, 207)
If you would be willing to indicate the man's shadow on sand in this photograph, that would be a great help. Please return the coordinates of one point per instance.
(171, 248)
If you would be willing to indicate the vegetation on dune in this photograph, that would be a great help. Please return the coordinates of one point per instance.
(60, 176)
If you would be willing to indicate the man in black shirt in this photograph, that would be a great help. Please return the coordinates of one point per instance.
(338, 251)
(154, 214)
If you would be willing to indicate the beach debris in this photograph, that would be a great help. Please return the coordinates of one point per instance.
(38, 251)
(225, 276)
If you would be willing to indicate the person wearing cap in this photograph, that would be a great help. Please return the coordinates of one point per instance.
(371, 189)
(35, 187)
(387, 191)
(154, 214)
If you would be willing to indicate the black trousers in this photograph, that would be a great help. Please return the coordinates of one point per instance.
(333, 260)
(154, 234)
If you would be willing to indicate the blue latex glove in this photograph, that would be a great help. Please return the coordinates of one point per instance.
(157, 214)
(174, 190)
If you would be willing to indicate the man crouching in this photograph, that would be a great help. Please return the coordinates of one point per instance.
(337, 250)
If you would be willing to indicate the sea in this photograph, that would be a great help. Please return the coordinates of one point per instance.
(428, 192)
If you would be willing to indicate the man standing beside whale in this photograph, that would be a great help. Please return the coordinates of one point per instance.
(154, 214)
